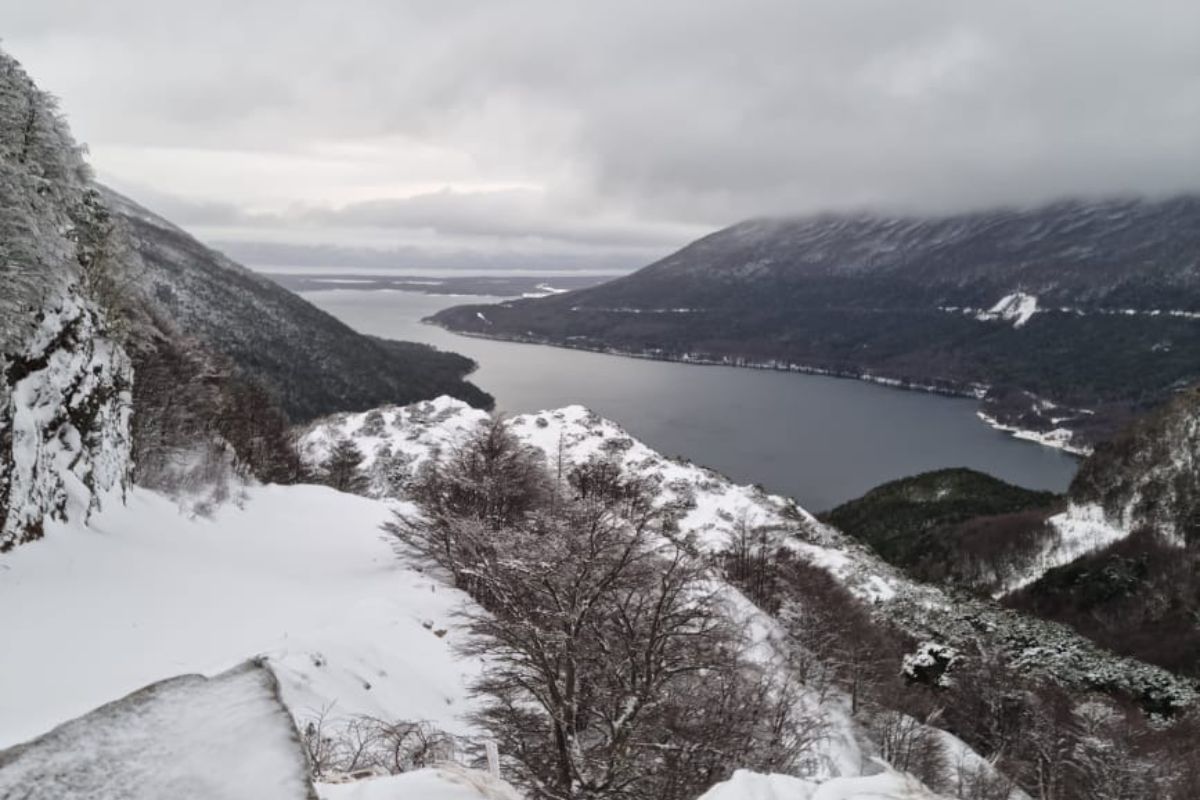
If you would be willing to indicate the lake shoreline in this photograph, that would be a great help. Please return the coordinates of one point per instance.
(1054, 440)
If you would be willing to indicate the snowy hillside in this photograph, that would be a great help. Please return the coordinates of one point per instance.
(303, 577)
(708, 508)
(299, 574)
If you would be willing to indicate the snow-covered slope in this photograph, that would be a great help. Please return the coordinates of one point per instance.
(708, 507)
(1146, 477)
(299, 574)
(884, 786)
(187, 738)
(449, 782)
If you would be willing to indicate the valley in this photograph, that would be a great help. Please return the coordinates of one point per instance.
(818, 439)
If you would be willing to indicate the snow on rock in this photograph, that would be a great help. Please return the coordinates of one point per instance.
(1059, 438)
(65, 404)
(394, 441)
(449, 782)
(708, 506)
(185, 738)
(299, 574)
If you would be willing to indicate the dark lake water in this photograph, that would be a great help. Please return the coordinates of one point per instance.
(819, 440)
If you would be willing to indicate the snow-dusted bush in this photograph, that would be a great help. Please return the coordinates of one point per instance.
(614, 670)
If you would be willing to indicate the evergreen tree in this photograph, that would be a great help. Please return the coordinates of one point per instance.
(342, 469)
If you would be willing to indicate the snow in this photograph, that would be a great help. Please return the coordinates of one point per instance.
(1058, 438)
(1017, 308)
(56, 468)
(1081, 529)
(746, 785)
(887, 785)
(443, 783)
(184, 738)
(301, 574)
(411, 433)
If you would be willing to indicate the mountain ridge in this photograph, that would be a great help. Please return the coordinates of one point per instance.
(1066, 319)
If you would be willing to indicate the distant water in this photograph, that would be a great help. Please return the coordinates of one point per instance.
(819, 440)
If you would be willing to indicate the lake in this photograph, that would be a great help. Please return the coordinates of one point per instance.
(820, 440)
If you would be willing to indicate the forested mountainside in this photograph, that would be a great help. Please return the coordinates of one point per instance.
(65, 387)
(954, 526)
(1116, 557)
(309, 361)
(1065, 318)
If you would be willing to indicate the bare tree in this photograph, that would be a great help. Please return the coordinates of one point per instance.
(613, 668)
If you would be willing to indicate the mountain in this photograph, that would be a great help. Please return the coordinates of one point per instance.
(309, 361)
(1067, 319)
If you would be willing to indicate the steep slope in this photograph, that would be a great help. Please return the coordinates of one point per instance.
(1066, 318)
(1122, 565)
(1140, 597)
(1149, 475)
(310, 362)
(1145, 478)
(64, 376)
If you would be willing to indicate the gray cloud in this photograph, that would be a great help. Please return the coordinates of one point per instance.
(620, 124)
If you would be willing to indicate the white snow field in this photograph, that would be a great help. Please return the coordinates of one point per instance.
(301, 574)
(184, 738)
(443, 783)
(887, 785)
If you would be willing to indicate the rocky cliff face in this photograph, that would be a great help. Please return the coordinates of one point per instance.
(65, 379)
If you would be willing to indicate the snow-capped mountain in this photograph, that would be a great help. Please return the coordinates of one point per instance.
(1069, 317)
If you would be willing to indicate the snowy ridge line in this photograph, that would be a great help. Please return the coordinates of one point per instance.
(972, 391)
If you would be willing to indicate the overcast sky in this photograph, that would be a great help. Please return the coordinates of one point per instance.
(606, 133)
